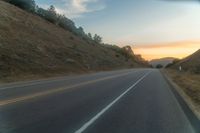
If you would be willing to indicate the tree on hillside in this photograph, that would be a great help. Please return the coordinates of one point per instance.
(81, 32)
(28, 5)
(41, 12)
(90, 36)
(66, 23)
(52, 15)
(97, 38)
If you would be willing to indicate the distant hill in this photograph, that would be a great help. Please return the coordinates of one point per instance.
(163, 61)
(30, 45)
(190, 63)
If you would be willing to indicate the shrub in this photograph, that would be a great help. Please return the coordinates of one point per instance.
(197, 69)
(28, 5)
(159, 66)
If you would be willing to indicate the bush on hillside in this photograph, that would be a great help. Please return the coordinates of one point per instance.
(120, 51)
(159, 66)
(197, 69)
(51, 15)
(66, 23)
(97, 39)
(28, 5)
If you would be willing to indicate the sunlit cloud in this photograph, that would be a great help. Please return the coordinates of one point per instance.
(76, 8)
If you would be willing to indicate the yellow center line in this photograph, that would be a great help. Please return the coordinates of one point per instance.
(39, 94)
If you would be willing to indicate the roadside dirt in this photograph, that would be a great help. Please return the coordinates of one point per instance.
(188, 86)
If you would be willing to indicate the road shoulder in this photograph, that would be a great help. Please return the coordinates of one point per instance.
(185, 101)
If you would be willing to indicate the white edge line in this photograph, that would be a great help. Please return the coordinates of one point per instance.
(91, 121)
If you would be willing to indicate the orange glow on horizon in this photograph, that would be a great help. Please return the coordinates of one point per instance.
(177, 50)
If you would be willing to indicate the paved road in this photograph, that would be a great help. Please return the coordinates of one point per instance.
(126, 101)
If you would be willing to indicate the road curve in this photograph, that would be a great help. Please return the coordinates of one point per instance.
(126, 101)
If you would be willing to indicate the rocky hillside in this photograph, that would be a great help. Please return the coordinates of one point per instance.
(30, 45)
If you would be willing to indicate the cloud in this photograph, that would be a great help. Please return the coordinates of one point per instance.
(176, 49)
(76, 8)
(185, 44)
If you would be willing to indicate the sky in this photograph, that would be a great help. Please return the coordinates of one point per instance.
(154, 28)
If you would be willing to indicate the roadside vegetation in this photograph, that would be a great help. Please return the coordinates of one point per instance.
(159, 66)
(58, 19)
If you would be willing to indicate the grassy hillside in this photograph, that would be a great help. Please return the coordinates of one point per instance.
(188, 80)
(191, 63)
(30, 45)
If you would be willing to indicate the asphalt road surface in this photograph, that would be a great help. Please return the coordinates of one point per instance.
(126, 101)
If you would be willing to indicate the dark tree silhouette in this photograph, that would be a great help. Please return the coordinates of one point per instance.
(28, 5)
(90, 36)
(97, 39)
(159, 66)
(51, 14)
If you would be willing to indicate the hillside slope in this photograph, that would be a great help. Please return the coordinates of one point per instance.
(190, 63)
(30, 45)
(163, 61)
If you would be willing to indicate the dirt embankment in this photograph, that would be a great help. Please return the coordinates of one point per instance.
(189, 87)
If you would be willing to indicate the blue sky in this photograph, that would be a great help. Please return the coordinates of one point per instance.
(137, 22)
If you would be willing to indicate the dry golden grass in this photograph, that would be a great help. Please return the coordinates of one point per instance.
(31, 46)
(190, 83)
(190, 63)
